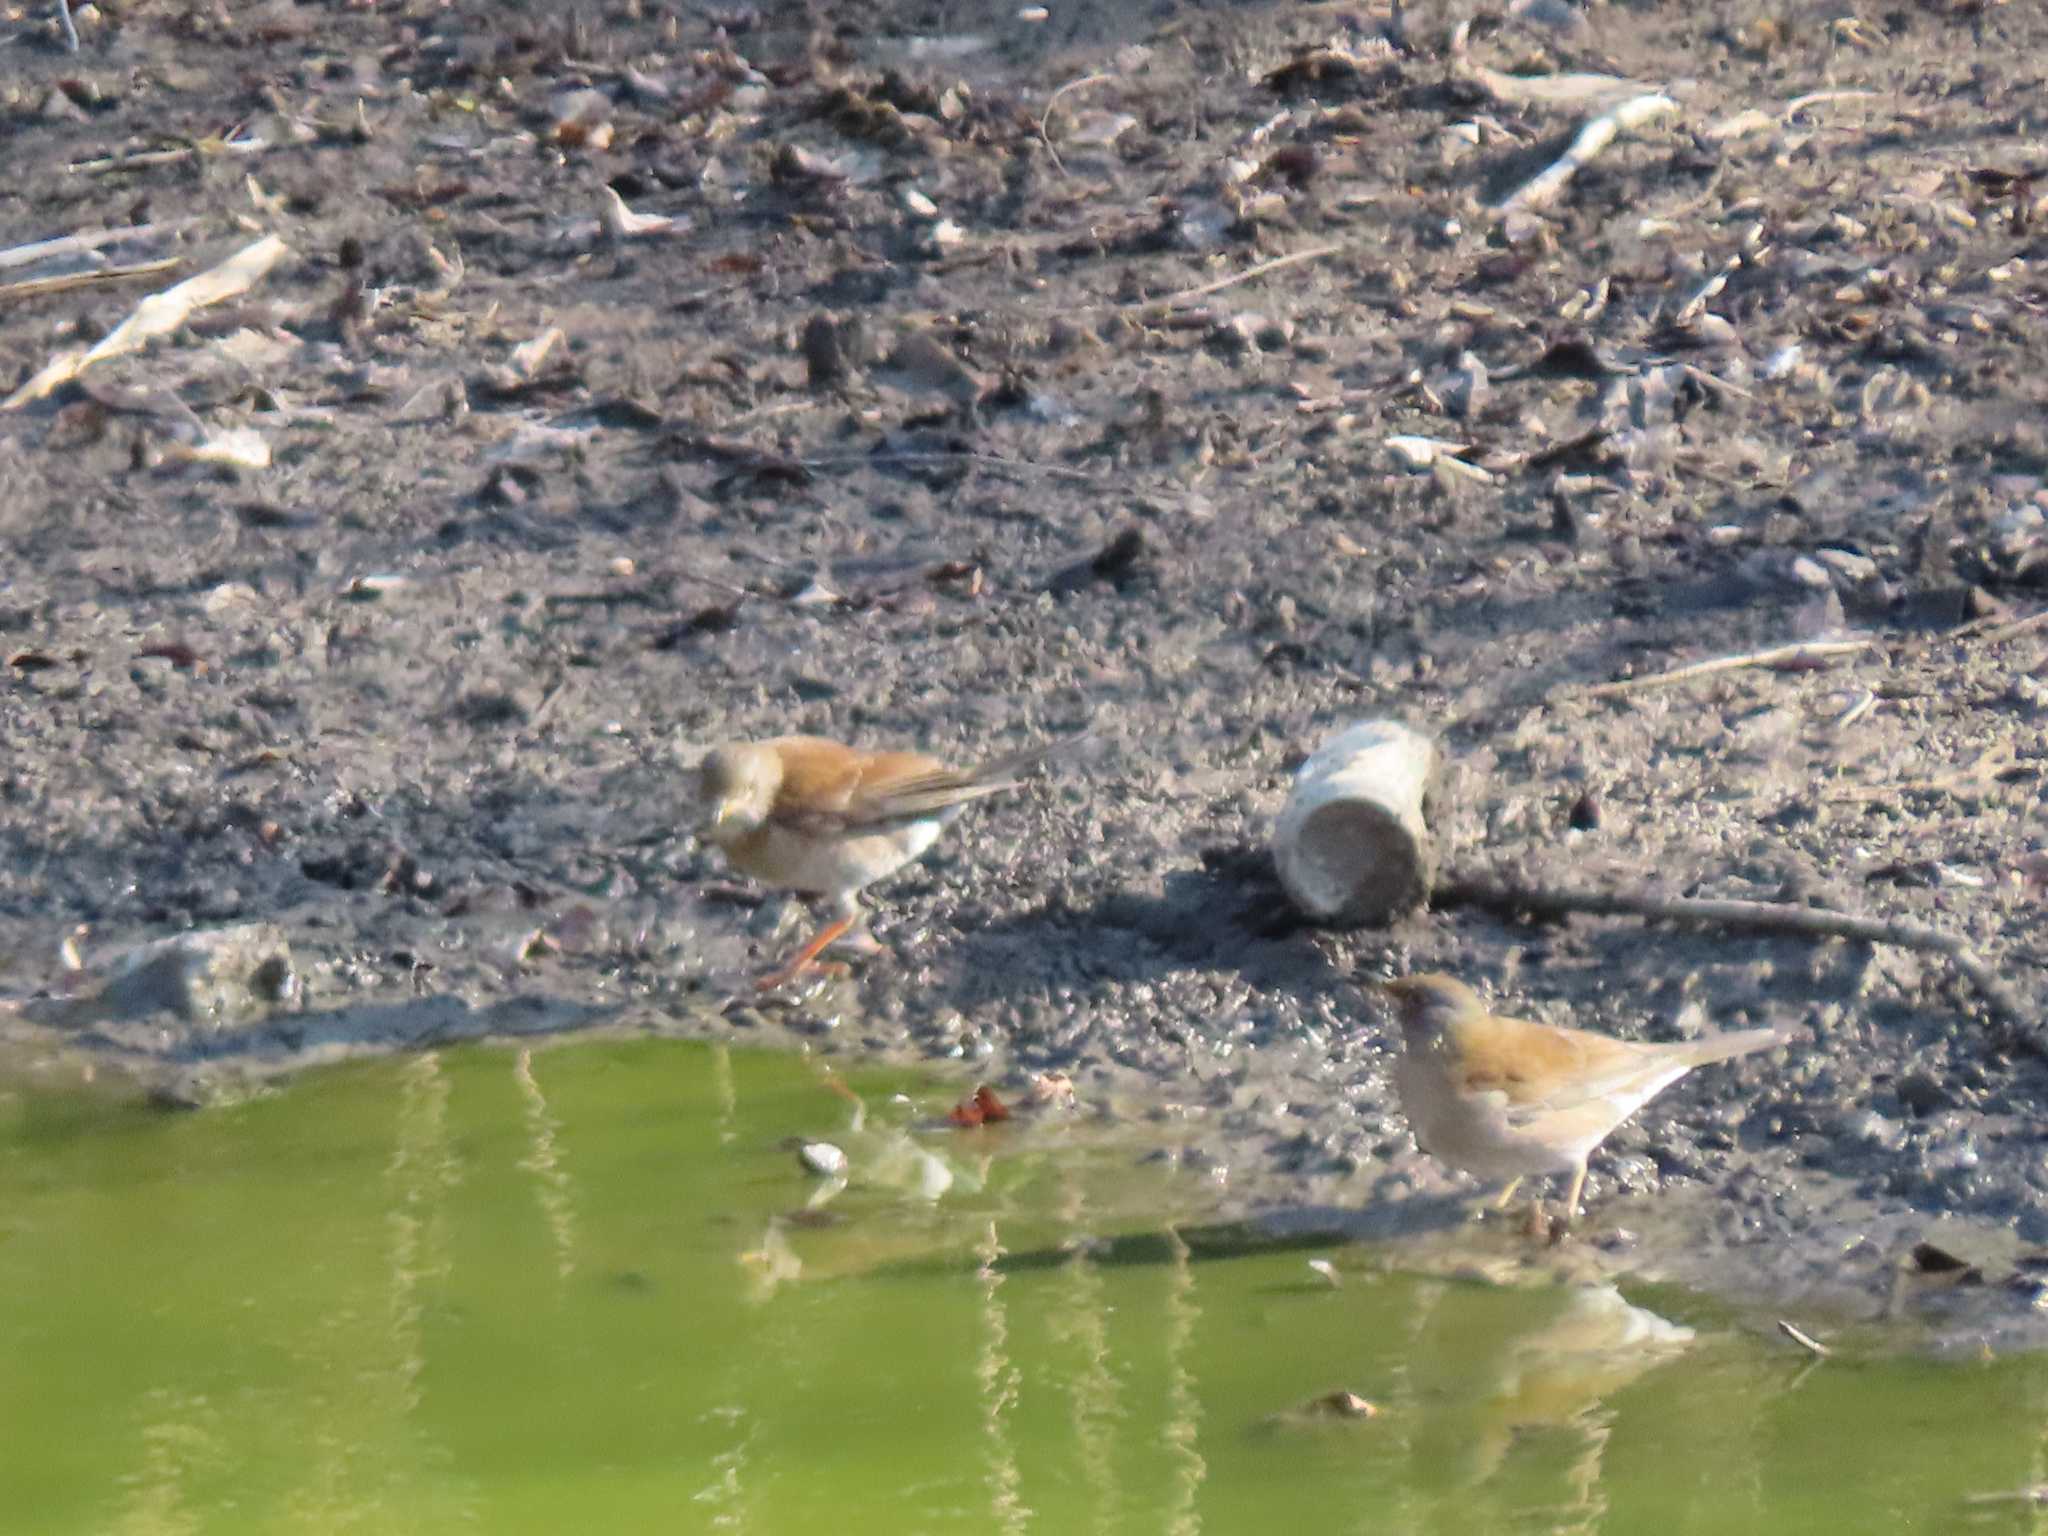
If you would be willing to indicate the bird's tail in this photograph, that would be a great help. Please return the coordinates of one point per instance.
(1005, 772)
(947, 789)
(1736, 1043)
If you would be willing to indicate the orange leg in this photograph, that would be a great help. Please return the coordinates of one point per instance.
(807, 957)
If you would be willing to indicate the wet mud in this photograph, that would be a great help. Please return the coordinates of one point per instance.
(1206, 373)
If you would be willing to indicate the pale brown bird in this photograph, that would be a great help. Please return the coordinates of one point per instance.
(811, 815)
(1507, 1099)
(925, 368)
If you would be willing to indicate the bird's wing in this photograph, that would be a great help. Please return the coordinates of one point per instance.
(1570, 1086)
(1524, 1061)
(1541, 1069)
(828, 788)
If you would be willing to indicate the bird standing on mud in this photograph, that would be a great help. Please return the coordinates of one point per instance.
(811, 815)
(1507, 1099)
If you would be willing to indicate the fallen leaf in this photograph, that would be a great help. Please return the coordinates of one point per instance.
(982, 1107)
(181, 656)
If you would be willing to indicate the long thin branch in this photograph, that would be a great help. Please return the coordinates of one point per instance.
(1515, 899)
(1045, 117)
(85, 240)
(985, 460)
(1170, 300)
(38, 287)
(1802, 651)
(1989, 632)
(169, 156)
(1799, 104)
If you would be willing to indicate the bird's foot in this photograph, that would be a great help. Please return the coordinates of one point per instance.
(1489, 1207)
(806, 960)
(1541, 1226)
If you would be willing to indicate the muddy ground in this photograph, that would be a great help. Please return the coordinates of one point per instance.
(418, 689)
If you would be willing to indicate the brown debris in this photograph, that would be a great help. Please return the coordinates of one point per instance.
(981, 1107)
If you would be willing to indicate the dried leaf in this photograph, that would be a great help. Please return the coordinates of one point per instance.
(528, 355)
(178, 654)
(238, 448)
(980, 1108)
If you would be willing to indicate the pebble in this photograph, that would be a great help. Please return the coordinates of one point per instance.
(823, 1159)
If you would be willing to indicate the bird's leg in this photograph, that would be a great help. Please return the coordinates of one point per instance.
(807, 958)
(1571, 1203)
(860, 938)
(1492, 1205)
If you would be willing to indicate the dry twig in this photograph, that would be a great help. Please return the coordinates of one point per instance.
(1514, 899)
(1590, 141)
(1799, 104)
(986, 460)
(1805, 1341)
(1045, 117)
(1173, 300)
(1990, 633)
(1798, 653)
(169, 156)
(36, 286)
(83, 241)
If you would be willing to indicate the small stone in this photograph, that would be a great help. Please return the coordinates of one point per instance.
(1456, 142)
(582, 106)
(214, 980)
(826, 361)
(823, 1159)
(1065, 335)
(1236, 336)
(227, 597)
(1921, 1094)
(1341, 1405)
(1809, 572)
(1866, 1127)
(1979, 604)
(1853, 568)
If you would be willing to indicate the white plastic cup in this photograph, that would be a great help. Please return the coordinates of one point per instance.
(1351, 845)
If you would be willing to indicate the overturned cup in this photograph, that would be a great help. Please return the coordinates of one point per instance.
(1351, 844)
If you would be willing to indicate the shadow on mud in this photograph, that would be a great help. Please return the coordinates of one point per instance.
(1228, 913)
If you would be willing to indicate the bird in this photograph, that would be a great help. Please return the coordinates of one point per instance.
(812, 815)
(925, 368)
(1507, 1099)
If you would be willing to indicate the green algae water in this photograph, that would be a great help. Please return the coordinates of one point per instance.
(592, 1287)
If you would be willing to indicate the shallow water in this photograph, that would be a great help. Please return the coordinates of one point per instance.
(579, 1288)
